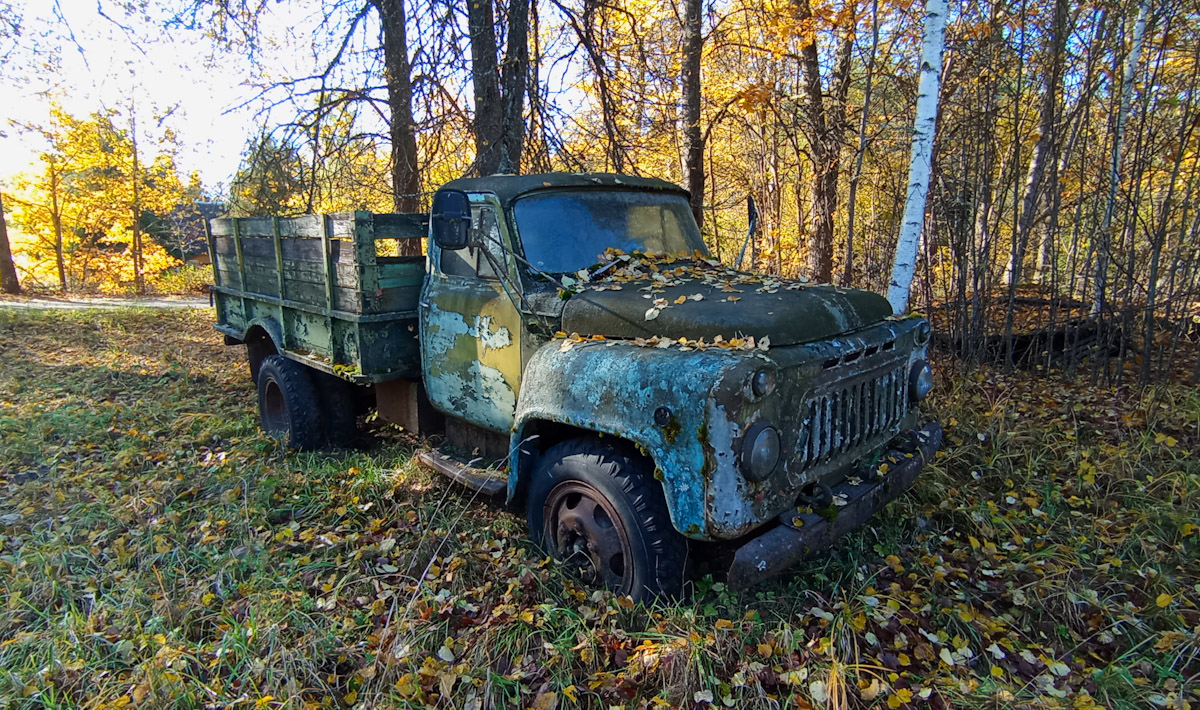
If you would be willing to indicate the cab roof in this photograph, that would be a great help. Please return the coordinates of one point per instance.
(510, 187)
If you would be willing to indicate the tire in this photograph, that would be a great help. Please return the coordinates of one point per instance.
(339, 409)
(287, 403)
(598, 510)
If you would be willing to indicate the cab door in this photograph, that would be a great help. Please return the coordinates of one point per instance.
(470, 328)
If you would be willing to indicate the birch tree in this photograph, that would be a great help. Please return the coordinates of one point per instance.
(933, 42)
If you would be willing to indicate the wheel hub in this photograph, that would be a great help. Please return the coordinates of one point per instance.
(274, 409)
(587, 535)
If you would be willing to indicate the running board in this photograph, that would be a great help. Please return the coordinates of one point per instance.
(486, 482)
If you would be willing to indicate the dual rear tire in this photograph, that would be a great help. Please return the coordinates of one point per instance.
(306, 409)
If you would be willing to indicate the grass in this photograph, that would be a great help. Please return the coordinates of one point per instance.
(157, 551)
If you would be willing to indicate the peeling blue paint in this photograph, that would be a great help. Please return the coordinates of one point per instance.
(613, 388)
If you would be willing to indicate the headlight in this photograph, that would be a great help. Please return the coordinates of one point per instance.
(760, 451)
(920, 380)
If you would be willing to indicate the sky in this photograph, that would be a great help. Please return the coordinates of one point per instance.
(215, 107)
(104, 66)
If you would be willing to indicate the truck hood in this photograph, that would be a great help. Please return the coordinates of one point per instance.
(787, 312)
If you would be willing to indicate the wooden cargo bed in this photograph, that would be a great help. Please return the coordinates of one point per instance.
(329, 289)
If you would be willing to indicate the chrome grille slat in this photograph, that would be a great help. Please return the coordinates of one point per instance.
(826, 423)
(852, 414)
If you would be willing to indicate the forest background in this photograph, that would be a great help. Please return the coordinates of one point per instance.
(1060, 197)
(156, 550)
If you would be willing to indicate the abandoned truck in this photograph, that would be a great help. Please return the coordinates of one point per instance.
(574, 346)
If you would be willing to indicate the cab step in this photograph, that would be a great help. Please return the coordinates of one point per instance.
(487, 482)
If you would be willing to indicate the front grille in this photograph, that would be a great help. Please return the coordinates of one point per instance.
(852, 414)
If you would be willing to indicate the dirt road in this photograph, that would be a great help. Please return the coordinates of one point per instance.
(103, 303)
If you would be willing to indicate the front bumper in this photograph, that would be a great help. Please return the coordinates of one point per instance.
(800, 534)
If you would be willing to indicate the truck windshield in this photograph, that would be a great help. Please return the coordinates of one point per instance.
(568, 231)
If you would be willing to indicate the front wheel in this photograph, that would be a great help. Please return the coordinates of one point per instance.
(599, 511)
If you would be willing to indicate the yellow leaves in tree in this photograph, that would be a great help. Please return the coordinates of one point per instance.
(87, 183)
(755, 96)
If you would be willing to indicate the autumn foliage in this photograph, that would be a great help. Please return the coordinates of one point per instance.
(157, 550)
(77, 215)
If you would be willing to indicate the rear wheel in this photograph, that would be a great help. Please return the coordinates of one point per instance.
(287, 403)
(599, 512)
(339, 408)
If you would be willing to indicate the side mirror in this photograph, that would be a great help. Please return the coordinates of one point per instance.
(451, 219)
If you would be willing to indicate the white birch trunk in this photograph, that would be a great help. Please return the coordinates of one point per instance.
(932, 43)
(1114, 172)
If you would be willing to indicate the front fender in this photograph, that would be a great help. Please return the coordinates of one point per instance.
(615, 387)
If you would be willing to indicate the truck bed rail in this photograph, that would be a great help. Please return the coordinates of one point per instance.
(338, 292)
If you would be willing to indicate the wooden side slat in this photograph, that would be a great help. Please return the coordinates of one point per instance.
(401, 226)
(294, 249)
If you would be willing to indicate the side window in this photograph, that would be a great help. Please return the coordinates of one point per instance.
(460, 262)
(483, 220)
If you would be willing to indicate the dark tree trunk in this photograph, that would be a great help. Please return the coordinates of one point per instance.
(584, 25)
(139, 267)
(485, 79)
(826, 126)
(860, 153)
(406, 175)
(8, 271)
(513, 81)
(1045, 143)
(693, 45)
(499, 89)
(56, 219)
